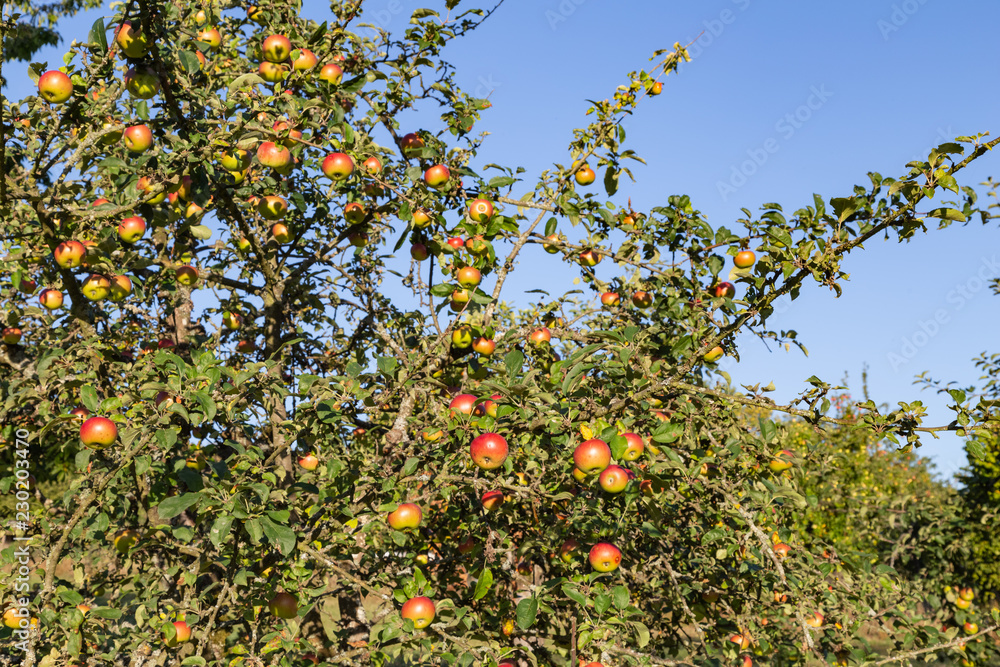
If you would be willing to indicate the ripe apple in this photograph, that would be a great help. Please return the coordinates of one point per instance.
(27, 286)
(634, 448)
(50, 298)
(477, 245)
(962, 603)
(742, 640)
(611, 299)
(464, 404)
(605, 557)
(411, 144)
(467, 546)
(69, 254)
(970, 628)
(782, 461)
(656, 88)
(246, 346)
(488, 451)
(485, 347)
(437, 176)
(98, 432)
(406, 515)
(337, 166)
(331, 73)
(592, 456)
(459, 299)
(781, 550)
(418, 251)
(281, 233)
(272, 207)
(354, 213)
(125, 540)
(276, 48)
(211, 37)
(420, 610)
(96, 287)
(131, 229)
(132, 40)
(469, 277)
(432, 436)
(481, 210)
(138, 139)
(967, 594)
(744, 259)
(540, 336)
(373, 166)
(309, 461)
(585, 175)
(232, 320)
(815, 620)
(358, 239)
(11, 335)
(305, 60)
(642, 299)
(724, 290)
(492, 500)
(614, 479)
(590, 258)
(272, 72)
(568, 550)
(55, 87)
(272, 155)
(183, 633)
(552, 245)
(283, 605)
(186, 275)
(421, 219)
(234, 160)
(142, 84)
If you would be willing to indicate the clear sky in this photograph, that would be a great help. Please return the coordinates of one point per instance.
(839, 88)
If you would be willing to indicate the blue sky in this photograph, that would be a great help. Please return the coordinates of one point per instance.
(839, 89)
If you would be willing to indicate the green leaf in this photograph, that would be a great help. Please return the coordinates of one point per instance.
(174, 505)
(611, 181)
(254, 530)
(501, 182)
(527, 610)
(201, 232)
(976, 450)
(97, 35)
(88, 396)
(282, 537)
(410, 466)
(947, 214)
(220, 529)
(573, 593)
(387, 365)
(602, 602)
(483, 585)
(109, 613)
(513, 361)
(194, 660)
(190, 61)
(620, 596)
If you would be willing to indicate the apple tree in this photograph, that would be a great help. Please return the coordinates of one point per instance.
(265, 320)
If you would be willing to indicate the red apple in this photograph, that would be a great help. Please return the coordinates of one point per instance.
(590, 258)
(481, 210)
(11, 335)
(272, 72)
(142, 84)
(970, 628)
(781, 549)
(132, 40)
(406, 515)
(782, 461)
(437, 176)
(305, 60)
(27, 286)
(374, 166)
(469, 277)
(714, 354)
(724, 290)
(331, 73)
(55, 87)
(96, 287)
(272, 155)
(281, 233)
(485, 347)
(605, 557)
(742, 640)
(411, 144)
(69, 254)
(592, 456)
(465, 404)
(309, 461)
(138, 139)
(610, 299)
(276, 48)
(131, 229)
(815, 620)
(283, 605)
(211, 37)
(634, 448)
(642, 299)
(492, 500)
(552, 244)
(338, 166)
(50, 298)
(614, 479)
(183, 633)
(272, 207)
(656, 88)
(418, 251)
(420, 610)
(354, 213)
(488, 451)
(98, 432)
(540, 336)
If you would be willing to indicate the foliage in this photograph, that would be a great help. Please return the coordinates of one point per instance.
(334, 346)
